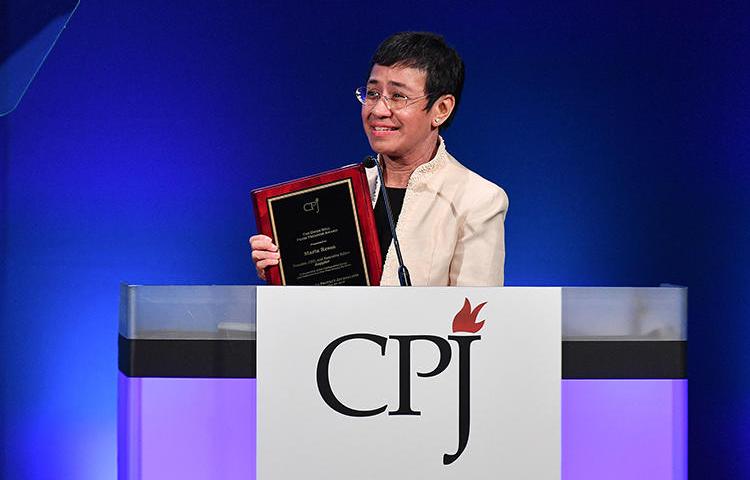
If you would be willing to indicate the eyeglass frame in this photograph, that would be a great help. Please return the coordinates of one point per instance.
(386, 99)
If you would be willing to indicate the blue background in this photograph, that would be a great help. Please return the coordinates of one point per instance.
(619, 132)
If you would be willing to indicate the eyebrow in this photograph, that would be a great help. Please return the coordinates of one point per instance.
(372, 81)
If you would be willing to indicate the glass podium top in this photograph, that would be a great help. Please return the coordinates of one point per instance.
(228, 312)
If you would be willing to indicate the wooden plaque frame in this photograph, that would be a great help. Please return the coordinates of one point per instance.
(356, 215)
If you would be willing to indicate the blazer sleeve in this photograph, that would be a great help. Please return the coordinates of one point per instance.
(479, 256)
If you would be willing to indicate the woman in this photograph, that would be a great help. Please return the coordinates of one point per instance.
(450, 220)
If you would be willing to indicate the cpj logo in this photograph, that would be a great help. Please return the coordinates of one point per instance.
(464, 321)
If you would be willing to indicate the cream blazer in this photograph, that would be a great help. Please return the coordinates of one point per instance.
(450, 228)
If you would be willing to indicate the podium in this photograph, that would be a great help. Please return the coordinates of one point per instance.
(187, 378)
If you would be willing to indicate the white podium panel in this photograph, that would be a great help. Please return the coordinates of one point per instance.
(449, 383)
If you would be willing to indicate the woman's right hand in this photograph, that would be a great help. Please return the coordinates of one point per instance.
(265, 254)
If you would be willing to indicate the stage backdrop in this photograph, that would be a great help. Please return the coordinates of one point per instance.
(619, 133)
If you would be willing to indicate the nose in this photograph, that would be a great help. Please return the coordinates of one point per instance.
(381, 108)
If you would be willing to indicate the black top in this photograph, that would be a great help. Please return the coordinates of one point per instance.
(396, 198)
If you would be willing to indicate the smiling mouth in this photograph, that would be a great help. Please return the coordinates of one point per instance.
(384, 129)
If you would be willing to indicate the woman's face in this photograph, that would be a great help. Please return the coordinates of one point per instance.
(399, 133)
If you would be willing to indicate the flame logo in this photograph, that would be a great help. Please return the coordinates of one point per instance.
(466, 318)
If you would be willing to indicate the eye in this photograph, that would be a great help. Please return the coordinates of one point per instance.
(372, 94)
(399, 96)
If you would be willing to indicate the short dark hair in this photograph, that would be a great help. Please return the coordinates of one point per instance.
(427, 52)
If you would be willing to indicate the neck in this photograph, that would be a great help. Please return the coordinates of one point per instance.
(398, 170)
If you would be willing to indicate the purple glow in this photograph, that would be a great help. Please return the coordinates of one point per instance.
(186, 428)
(205, 428)
(128, 427)
(624, 429)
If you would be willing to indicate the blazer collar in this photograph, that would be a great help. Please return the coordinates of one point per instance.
(420, 175)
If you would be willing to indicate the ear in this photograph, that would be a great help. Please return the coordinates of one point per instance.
(442, 109)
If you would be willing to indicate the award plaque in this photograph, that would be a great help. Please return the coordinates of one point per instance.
(324, 227)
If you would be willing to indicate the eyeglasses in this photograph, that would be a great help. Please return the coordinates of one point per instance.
(370, 97)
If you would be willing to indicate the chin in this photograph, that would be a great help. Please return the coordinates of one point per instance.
(384, 147)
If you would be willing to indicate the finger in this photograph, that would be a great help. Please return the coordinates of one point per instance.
(263, 254)
(268, 262)
(261, 274)
(259, 236)
(264, 243)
